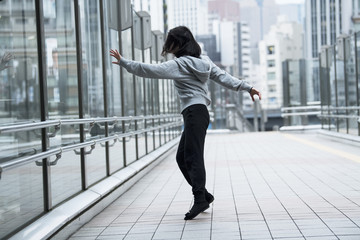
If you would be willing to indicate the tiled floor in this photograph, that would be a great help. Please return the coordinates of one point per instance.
(266, 186)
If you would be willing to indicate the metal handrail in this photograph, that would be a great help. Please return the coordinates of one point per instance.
(300, 108)
(338, 116)
(29, 126)
(22, 161)
(50, 123)
(300, 114)
(326, 108)
(58, 151)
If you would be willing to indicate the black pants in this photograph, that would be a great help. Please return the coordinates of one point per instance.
(190, 154)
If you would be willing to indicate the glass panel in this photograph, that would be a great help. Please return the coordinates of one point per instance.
(21, 198)
(358, 74)
(149, 103)
(351, 84)
(92, 86)
(62, 89)
(140, 106)
(19, 78)
(129, 105)
(65, 177)
(156, 111)
(333, 88)
(340, 81)
(113, 92)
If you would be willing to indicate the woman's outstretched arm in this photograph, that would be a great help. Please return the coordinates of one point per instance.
(225, 79)
(166, 70)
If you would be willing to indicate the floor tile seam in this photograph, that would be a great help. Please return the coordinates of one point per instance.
(180, 185)
(336, 169)
(253, 194)
(213, 187)
(326, 200)
(333, 189)
(302, 198)
(137, 196)
(170, 175)
(276, 196)
(233, 195)
(216, 158)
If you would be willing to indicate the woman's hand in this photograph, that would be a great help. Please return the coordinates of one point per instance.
(4, 61)
(115, 54)
(254, 92)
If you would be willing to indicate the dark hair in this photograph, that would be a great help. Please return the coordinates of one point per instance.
(182, 41)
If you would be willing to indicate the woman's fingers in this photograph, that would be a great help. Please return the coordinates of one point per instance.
(115, 54)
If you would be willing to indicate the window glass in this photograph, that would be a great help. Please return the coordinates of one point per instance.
(129, 105)
(271, 63)
(270, 50)
(271, 75)
(62, 90)
(92, 86)
(352, 98)
(21, 198)
(139, 83)
(113, 87)
(149, 103)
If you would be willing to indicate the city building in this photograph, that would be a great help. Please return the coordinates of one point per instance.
(326, 20)
(190, 13)
(284, 41)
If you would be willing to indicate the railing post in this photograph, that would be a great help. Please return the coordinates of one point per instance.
(46, 171)
(357, 79)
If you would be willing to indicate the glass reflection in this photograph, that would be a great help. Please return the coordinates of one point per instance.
(62, 90)
(129, 104)
(21, 198)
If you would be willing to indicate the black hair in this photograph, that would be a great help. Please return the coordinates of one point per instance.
(181, 42)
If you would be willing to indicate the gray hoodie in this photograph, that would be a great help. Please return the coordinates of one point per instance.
(190, 75)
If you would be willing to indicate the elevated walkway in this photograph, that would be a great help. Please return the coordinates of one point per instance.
(266, 186)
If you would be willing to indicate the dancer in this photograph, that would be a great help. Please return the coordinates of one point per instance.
(190, 71)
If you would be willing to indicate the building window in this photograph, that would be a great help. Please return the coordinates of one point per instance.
(271, 63)
(323, 21)
(271, 50)
(314, 29)
(271, 75)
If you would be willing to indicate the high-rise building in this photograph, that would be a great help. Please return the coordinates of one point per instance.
(190, 13)
(284, 41)
(356, 14)
(225, 9)
(325, 21)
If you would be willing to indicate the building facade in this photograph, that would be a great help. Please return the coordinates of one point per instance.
(284, 41)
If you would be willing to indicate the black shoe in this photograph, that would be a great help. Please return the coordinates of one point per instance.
(209, 197)
(196, 209)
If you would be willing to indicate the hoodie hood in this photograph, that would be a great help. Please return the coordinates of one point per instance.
(198, 67)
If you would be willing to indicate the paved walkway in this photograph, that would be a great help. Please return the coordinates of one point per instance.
(266, 186)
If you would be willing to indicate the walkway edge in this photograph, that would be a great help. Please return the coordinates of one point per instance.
(341, 137)
(64, 220)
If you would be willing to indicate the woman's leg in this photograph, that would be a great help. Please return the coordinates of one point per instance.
(181, 160)
(196, 122)
(182, 166)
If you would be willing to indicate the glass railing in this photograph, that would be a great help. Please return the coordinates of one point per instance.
(340, 85)
(69, 118)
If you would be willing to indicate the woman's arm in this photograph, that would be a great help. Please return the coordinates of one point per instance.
(166, 70)
(225, 79)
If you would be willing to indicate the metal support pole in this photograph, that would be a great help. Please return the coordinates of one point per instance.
(80, 92)
(46, 171)
(357, 78)
(104, 53)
